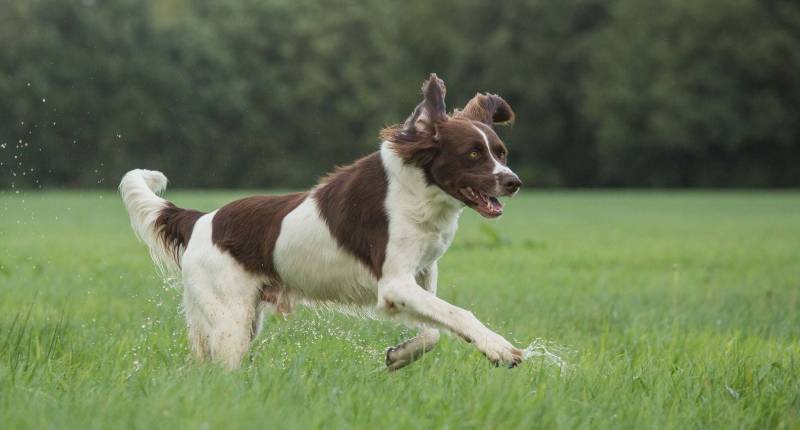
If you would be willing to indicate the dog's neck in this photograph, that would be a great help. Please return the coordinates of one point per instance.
(411, 196)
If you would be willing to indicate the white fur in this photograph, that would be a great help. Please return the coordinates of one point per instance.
(138, 189)
(314, 268)
(220, 299)
(423, 219)
(422, 223)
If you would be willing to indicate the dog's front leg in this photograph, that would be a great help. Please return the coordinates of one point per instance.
(402, 296)
(411, 350)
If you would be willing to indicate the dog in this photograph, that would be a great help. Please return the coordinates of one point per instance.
(367, 237)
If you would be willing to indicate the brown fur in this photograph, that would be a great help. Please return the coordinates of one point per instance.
(442, 154)
(488, 109)
(439, 143)
(415, 148)
(351, 201)
(175, 226)
(248, 229)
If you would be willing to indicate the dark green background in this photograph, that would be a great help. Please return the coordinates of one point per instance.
(273, 93)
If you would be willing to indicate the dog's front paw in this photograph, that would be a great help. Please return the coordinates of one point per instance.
(498, 350)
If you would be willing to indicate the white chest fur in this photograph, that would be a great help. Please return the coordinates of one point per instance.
(423, 219)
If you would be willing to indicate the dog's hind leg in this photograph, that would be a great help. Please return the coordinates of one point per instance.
(220, 300)
(197, 326)
(412, 349)
(232, 332)
(221, 313)
(273, 300)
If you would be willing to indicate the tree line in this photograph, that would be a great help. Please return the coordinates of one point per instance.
(273, 93)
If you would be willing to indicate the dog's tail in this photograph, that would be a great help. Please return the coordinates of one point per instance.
(164, 227)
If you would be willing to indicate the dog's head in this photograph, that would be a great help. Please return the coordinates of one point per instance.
(459, 153)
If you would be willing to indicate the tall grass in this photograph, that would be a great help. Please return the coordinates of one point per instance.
(671, 310)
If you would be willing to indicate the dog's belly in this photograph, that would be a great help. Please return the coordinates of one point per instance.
(313, 267)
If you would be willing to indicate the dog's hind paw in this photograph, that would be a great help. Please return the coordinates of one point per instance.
(400, 356)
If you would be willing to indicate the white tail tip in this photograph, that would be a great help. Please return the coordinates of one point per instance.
(155, 180)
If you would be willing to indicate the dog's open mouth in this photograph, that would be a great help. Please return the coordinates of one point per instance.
(485, 205)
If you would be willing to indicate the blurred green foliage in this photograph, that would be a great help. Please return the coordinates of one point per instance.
(272, 93)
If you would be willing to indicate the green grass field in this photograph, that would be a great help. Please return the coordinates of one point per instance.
(673, 310)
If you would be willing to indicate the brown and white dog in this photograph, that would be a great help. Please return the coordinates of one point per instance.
(366, 237)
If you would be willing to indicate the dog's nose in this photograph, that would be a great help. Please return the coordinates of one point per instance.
(510, 183)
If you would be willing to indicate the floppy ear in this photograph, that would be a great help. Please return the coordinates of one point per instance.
(431, 110)
(416, 140)
(489, 109)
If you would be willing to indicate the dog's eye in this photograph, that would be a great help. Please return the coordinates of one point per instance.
(474, 155)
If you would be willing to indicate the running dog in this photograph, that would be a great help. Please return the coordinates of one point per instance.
(367, 237)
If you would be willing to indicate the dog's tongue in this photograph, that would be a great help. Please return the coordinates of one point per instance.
(495, 205)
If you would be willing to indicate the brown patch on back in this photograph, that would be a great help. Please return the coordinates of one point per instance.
(174, 226)
(248, 229)
(351, 201)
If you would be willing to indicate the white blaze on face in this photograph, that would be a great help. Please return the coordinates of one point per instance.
(498, 167)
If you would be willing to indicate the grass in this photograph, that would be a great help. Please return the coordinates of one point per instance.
(673, 310)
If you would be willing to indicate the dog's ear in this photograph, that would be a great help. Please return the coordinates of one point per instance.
(431, 111)
(416, 140)
(489, 109)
